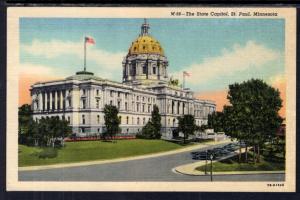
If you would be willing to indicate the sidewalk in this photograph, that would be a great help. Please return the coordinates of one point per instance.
(95, 162)
(190, 169)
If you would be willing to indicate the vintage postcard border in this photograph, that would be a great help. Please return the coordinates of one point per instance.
(15, 13)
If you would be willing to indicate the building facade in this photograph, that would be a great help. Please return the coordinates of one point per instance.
(81, 98)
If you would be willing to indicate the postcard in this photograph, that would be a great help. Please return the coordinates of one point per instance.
(151, 99)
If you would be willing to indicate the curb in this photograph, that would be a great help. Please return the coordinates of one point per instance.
(230, 173)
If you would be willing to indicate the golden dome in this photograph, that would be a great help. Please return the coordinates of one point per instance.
(146, 44)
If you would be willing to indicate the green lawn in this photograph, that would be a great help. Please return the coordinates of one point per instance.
(94, 150)
(231, 164)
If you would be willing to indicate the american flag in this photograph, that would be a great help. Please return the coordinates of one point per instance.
(186, 73)
(89, 40)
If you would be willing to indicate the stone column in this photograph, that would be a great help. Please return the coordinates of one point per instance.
(40, 101)
(46, 100)
(50, 100)
(180, 107)
(61, 99)
(55, 100)
(149, 66)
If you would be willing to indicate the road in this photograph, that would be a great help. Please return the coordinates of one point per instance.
(147, 169)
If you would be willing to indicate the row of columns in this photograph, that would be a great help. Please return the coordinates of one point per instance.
(52, 100)
(177, 108)
(136, 69)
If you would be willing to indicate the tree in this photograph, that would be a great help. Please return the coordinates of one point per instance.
(253, 115)
(112, 121)
(24, 117)
(186, 125)
(215, 121)
(149, 131)
(156, 122)
(42, 132)
(50, 130)
(152, 129)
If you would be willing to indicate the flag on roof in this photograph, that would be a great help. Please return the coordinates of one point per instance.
(186, 73)
(89, 40)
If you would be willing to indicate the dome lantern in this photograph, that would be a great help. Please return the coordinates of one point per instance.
(144, 28)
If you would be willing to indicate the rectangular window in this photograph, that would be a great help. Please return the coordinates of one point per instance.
(126, 106)
(83, 92)
(98, 119)
(154, 70)
(97, 92)
(144, 69)
(83, 119)
(83, 103)
(111, 93)
(119, 93)
(119, 104)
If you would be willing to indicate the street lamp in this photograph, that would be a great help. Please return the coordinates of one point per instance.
(211, 158)
(206, 163)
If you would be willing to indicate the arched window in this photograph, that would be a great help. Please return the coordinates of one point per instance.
(127, 120)
(144, 120)
(98, 119)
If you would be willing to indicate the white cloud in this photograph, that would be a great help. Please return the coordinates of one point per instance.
(109, 63)
(239, 58)
(35, 70)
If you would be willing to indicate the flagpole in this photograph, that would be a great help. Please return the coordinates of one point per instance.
(183, 82)
(84, 54)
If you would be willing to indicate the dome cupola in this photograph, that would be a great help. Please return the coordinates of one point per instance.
(145, 62)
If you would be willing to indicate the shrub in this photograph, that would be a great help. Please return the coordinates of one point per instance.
(148, 131)
(48, 153)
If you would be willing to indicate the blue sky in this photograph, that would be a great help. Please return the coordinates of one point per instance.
(216, 52)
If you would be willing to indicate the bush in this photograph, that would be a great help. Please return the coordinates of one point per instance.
(48, 153)
(140, 136)
(148, 131)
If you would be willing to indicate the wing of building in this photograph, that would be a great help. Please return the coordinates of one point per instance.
(81, 98)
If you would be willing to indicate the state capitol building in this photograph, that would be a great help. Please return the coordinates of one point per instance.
(81, 98)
